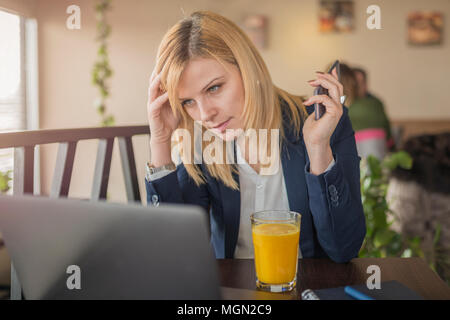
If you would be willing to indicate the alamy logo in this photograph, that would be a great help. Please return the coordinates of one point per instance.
(74, 280)
(74, 20)
(374, 20)
(262, 146)
(374, 281)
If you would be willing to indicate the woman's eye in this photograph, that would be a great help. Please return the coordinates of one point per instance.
(214, 88)
(186, 103)
(211, 89)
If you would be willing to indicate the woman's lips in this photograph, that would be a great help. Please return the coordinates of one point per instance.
(221, 127)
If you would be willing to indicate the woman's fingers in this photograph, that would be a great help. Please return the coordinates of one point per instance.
(154, 74)
(154, 107)
(334, 89)
(154, 88)
(335, 74)
(331, 106)
(159, 101)
(321, 98)
(155, 100)
(333, 78)
(152, 77)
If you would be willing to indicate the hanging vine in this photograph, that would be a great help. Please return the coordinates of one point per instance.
(102, 70)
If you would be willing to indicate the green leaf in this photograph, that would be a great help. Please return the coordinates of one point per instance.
(437, 234)
(4, 181)
(379, 217)
(395, 245)
(108, 121)
(104, 92)
(374, 166)
(101, 109)
(383, 237)
(407, 253)
(367, 183)
(398, 159)
(404, 160)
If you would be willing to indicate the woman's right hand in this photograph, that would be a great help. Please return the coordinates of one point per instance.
(162, 122)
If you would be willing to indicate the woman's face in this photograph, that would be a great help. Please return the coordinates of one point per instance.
(213, 96)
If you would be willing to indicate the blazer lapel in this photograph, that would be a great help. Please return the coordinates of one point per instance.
(293, 162)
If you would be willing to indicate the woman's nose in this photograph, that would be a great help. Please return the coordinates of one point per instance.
(207, 112)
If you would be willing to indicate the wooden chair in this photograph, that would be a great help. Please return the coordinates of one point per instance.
(24, 143)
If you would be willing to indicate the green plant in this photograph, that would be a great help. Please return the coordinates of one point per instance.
(381, 241)
(440, 257)
(5, 178)
(102, 70)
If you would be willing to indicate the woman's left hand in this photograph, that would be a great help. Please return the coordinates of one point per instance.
(317, 133)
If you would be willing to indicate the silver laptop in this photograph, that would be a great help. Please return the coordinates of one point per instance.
(74, 249)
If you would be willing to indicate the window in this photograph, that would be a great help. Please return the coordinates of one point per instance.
(18, 81)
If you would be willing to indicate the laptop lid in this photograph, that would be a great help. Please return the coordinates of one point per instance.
(117, 251)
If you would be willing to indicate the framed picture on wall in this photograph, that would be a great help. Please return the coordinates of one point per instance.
(255, 26)
(336, 16)
(425, 28)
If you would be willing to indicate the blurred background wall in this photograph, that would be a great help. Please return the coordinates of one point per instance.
(413, 82)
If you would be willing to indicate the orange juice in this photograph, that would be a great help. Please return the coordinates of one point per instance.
(276, 252)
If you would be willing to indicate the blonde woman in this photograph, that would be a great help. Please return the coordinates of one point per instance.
(209, 73)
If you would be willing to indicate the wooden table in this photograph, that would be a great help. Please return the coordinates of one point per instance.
(322, 273)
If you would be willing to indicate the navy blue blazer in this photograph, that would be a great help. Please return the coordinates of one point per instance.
(332, 223)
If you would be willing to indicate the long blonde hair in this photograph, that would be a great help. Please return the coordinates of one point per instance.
(206, 34)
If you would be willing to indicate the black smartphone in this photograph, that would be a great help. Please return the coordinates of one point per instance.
(319, 109)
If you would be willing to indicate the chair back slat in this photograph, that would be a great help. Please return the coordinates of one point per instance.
(102, 167)
(63, 169)
(23, 179)
(23, 183)
(16, 287)
(129, 169)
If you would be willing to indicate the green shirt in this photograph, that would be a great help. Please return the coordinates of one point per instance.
(368, 113)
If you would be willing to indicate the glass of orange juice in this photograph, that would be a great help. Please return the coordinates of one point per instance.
(276, 236)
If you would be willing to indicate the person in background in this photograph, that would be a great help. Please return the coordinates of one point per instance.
(366, 115)
(361, 78)
(368, 111)
(370, 134)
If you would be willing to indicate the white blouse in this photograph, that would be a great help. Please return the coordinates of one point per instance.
(258, 192)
